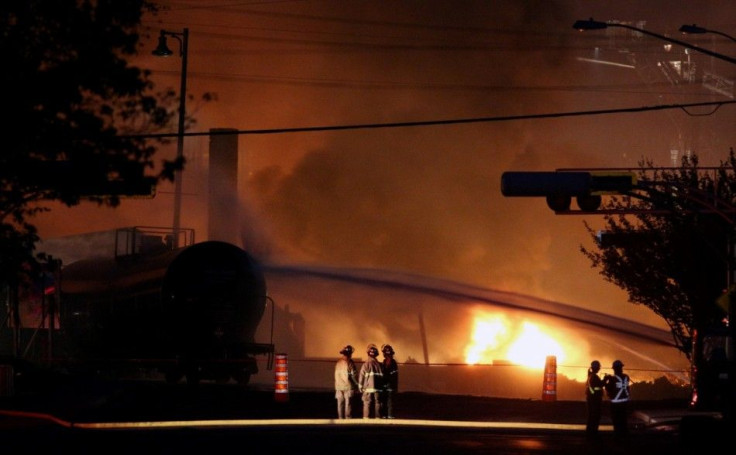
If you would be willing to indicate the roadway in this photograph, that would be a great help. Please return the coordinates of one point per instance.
(150, 417)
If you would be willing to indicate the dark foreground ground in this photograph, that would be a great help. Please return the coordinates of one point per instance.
(91, 399)
(66, 402)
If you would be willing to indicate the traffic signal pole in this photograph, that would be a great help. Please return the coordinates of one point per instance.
(587, 186)
(559, 187)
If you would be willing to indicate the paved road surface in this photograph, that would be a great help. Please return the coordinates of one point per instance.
(150, 417)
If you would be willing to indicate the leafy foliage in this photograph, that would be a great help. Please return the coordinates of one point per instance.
(673, 248)
(75, 100)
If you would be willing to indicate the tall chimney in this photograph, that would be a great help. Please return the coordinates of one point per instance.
(223, 206)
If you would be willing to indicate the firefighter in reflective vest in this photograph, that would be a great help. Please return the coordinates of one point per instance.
(617, 389)
(370, 380)
(593, 397)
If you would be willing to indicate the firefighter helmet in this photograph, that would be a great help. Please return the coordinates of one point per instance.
(617, 364)
(595, 364)
(347, 350)
(387, 349)
(372, 350)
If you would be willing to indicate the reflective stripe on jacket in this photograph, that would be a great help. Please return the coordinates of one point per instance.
(370, 378)
(594, 386)
(617, 387)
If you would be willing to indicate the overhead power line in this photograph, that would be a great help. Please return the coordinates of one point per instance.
(684, 107)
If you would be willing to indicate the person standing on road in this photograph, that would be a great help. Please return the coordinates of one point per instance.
(346, 382)
(390, 381)
(370, 381)
(593, 396)
(617, 389)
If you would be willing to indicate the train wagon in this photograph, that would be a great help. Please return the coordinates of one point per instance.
(189, 312)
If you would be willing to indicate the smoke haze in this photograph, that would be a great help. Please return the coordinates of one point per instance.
(423, 200)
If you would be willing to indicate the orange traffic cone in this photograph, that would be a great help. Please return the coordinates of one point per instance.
(281, 389)
(549, 388)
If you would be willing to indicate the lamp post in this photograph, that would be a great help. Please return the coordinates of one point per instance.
(591, 24)
(695, 30)
(162, 50)
(583, 25)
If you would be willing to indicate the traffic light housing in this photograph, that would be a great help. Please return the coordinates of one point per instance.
(559, 187)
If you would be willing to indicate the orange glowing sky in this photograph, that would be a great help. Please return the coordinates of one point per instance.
(426, 199)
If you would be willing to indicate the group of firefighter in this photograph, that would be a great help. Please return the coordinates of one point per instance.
(377, 382)
(616, 386)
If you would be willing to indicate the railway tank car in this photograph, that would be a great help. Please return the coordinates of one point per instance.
(189, 312)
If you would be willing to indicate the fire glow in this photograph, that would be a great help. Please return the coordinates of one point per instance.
(497, 337)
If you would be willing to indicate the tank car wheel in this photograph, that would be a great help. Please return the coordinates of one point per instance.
(173, 376)
(242, 377)
(193, 377)
(222, 378)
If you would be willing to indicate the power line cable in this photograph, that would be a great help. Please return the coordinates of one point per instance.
(716, 104)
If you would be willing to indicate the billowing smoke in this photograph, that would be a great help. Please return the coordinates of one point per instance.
(423, 200)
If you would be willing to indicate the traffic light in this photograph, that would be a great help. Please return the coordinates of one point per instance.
(559, 187)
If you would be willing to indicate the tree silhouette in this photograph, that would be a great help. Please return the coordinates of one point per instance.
(672, 248)
(76, 114)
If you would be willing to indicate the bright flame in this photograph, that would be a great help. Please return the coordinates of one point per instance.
(532, 347)
(489, 333)
(495, 338)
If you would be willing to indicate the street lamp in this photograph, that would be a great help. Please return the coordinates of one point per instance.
(591, 24)
(583, 25)
(695, 30)
(163, 51)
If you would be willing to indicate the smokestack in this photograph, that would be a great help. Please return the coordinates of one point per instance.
(223, 207)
